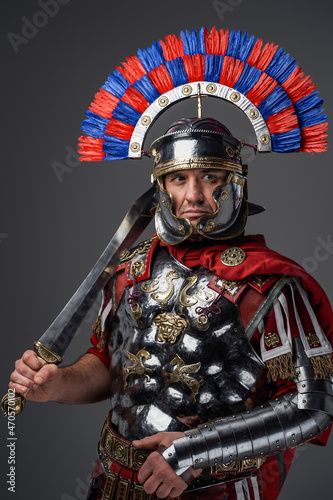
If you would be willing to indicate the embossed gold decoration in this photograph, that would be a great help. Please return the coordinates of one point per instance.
(136, 311)
(271, 339)
(46, 354)
(229, 285)
(224, 195)
(163, 297)
(149, 287)
(253, 113)
(180, 374)
(109, 486)
(239, 465)
(211, 88)
(238, 180)
(234, 96)
(264, 139)
(139, 458)
(137, 267)
(163, 101)
(137, 368)
(233, 256)
(190, 162)
(158, 157)
(184, 299)
(205, 295)
(164, 201)
(169, 327)
(187, 90)
(140, 250)
(181, 229)
(9, 404)
(111, 448)
(313, 340)
(210, 226)
(202, 323)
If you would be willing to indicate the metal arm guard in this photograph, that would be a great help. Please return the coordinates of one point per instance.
(280, 424)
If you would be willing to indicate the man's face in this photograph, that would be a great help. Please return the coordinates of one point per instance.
(192, 192)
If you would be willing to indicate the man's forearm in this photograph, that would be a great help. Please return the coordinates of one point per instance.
(86, 381)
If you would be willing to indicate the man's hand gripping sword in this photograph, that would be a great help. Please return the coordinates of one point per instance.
(53, 343)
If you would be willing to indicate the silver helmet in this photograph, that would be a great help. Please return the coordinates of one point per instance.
(192, 143)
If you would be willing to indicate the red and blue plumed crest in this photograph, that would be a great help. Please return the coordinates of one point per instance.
(269, 78)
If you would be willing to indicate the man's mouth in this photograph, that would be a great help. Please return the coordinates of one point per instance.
(195, 213)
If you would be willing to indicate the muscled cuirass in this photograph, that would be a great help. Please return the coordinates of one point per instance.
(179, 354)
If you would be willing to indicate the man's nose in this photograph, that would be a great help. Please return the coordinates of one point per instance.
(194, 192)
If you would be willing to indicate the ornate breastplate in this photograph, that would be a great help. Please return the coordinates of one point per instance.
(178, 349)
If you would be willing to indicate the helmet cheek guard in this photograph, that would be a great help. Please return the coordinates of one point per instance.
(231, 213)
(170, 228)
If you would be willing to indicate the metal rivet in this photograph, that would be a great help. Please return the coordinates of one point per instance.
(211, 88)
(210, 226)
(196, 460)
(164, 201)
(187, 90)
(163, 101)
(135, 147)
(181, 229)
(264, 139)
(145, 120)
(169, 454)
(304, 401)
(224, 195)
(253, 113)
(234, 96)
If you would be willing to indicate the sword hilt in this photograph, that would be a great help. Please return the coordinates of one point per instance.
(17, 404)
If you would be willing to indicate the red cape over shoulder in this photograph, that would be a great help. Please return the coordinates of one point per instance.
(259, 260)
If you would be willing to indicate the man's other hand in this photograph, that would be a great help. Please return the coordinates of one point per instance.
(156, 475)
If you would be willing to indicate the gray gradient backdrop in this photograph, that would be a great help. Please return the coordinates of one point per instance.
(52, 232)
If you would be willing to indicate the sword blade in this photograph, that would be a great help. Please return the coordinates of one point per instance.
(61, 332)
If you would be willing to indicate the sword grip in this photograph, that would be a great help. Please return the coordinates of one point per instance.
(17, 404)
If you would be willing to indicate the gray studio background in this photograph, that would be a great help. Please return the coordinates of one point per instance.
(54, 227)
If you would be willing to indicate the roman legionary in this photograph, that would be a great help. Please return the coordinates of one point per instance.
(215, 351)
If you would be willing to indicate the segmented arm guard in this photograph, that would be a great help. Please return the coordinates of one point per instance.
(280, 424)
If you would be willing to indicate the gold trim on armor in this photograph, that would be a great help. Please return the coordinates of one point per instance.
(111, 443)
(191, 162)
(137, 368)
